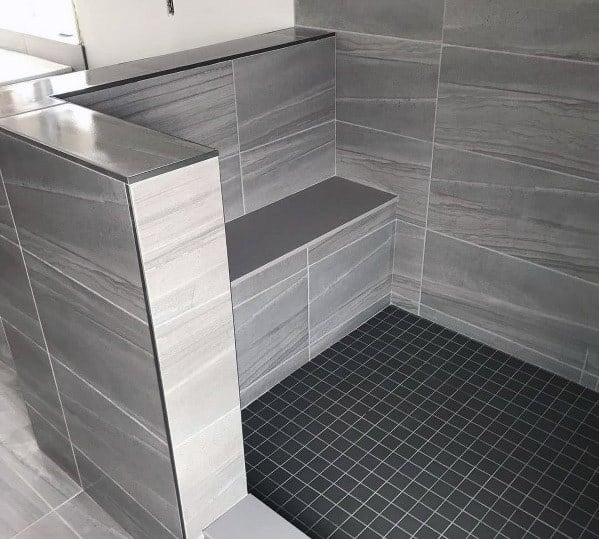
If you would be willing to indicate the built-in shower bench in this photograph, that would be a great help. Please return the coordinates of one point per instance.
(305, 271)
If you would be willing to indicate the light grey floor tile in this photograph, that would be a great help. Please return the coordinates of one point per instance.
(5, 353)
(527, 109)
(387, 161)
(135, 459)
(53, 443)
(284, 167)
(118, 505)
(414, 19)
(49, 527)
(100, 342)
(75, 219)
(16, 301)
(349, 281)
(551, 313)
(271, 327)
(545, 217)
(285, 91)
(90, 521)
(387, 83)
(407, 264)
(35, 378)
(565, 28)
(20, 506)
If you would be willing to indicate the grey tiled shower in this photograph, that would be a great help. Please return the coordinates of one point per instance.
(484, 118)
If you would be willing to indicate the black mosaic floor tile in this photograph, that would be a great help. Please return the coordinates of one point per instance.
(407, 429)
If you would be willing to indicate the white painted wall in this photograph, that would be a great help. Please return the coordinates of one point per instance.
(116, 31)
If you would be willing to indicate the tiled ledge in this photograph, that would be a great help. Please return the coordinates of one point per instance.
(36, 112)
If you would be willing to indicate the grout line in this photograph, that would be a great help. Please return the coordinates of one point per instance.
(291, 135)
(400, 135)
(513, 257)
(238, 139)
(96, 294)
(505, 339)
(335, 117)
(308, 305)
(39, 320)
(522, 54)
(430, 176)
(520, 163)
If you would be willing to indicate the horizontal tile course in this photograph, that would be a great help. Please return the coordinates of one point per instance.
(538, 215)
(386, 83)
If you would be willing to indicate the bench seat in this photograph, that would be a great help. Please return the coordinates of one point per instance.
(305, 271)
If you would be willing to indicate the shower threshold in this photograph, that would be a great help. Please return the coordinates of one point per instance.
(407, 429)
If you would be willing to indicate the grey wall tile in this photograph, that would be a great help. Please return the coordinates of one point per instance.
(197, 105)
(83, 514)
(506, 345)
(16, 301)
(181, 234)
(387, 83)
(284, 167)
(36, 378)
(75, 219)
(133, 457)
(349, 281)
(541, 216)
(285, 91)
(271, 327)
(101, 343)
(564, 28)
(266, 276)
(390, 162)
(415, 19)
(7, 226)
(526, 109)
(278, 373)
(592, 362)
(549, 312)
(407, 265)
(589, 381)
(53, 444)
(49, 526)
(232, 190)
(351, 232)
(116, 502)
(5, 353)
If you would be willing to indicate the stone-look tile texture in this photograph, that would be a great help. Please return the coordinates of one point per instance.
(75, 219)
(7, 226)
(5, 353)
(511, 119)
(270, 311)
(291, 308)
(196, 105)
(286, 112)
(181, 233)
(562, 28)
(278, 105)
(76, 267)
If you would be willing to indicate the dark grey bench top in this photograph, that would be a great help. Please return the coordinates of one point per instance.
(264, 235)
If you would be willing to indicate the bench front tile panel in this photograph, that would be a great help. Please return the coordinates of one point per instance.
(271, 326)
(350, 281)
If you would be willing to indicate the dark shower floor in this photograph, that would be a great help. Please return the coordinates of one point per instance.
(407, 429)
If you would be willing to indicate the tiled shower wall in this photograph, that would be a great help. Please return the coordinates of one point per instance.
(270, 115)
(483, 116)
